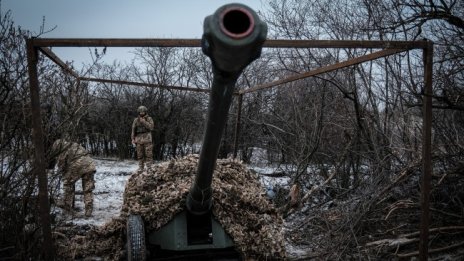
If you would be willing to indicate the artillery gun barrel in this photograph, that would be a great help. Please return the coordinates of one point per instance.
(233, 37)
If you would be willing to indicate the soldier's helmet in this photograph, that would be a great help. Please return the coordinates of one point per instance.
(141, 109)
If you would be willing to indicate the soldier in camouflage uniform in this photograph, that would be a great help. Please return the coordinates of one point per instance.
(74, 163)
(141, 137)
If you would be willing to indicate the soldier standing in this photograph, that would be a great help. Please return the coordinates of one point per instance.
(141, 137)
(74, 163)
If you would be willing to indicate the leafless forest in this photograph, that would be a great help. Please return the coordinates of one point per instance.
(358, 129)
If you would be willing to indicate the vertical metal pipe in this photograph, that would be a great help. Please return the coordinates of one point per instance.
(426, 151)
(237, 124)
(39, 153)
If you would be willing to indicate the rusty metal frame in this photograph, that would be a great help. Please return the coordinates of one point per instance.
(388, 48)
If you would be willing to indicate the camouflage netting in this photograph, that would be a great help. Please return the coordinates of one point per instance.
(239, 205)
(106, 242)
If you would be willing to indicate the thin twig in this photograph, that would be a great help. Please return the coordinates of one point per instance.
(404, 173)
(446, 213)
(431, 251)
(406, 239)
(61, 235)
(7, 248)
(393, 242)
(398, 205)
(437, 229)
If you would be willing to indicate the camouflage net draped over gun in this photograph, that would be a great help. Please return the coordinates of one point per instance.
(239, 205)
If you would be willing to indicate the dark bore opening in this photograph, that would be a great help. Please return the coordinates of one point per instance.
(237, 22)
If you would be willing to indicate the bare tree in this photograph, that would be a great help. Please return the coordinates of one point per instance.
(381, 133)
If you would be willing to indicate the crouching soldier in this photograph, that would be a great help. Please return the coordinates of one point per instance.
(141, 137)
(74, 163)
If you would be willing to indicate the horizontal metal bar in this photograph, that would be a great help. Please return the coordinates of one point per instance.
(145, 84)
(115, 42)
(344, 44)
(325, 69)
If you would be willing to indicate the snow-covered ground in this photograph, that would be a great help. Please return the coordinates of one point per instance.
(110, 180)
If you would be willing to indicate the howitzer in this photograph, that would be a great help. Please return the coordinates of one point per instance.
(233, 37)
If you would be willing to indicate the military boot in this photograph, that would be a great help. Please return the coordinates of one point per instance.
(141, 166)
(67, 209)
(88, 212)
(67, 202)
(149, 164)
(88, 198)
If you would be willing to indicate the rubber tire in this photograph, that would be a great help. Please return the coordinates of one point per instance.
(136, 248)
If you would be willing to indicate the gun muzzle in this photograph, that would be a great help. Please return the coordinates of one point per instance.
(233, 37)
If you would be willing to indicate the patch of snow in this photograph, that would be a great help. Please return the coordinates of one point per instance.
(296, 251)
(271, 184)
(259, 156)
(110, 181)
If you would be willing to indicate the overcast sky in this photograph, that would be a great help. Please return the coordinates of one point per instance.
(114, 19)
